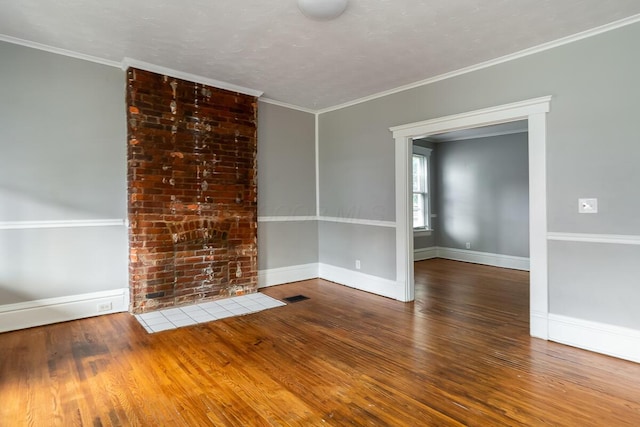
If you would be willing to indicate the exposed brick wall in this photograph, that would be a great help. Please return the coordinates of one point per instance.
(192, 191)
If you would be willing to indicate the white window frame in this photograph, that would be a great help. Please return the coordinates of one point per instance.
(426, 154)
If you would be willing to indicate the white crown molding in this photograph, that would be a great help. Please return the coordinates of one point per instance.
(372, 222)
(130, 62)
(620, 239)
(61, 309)
(611, 340)
(287, 105)
(490, 63)
(59, 51)
(126, 62)
(22, 225)
(286, 218)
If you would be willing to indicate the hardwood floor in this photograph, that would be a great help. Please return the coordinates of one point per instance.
(459, 355)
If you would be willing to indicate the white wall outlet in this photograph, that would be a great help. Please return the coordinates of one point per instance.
(588, 205)
(468, 245)
(357, 264)
(104, 306)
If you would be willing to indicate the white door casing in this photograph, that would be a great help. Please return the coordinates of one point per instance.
(533, 110)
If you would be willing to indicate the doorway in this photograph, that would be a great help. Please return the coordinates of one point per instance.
(534, 111)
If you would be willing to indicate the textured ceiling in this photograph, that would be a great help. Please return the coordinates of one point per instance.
(270, 46)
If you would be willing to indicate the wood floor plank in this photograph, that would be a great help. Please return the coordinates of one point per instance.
(459, 355)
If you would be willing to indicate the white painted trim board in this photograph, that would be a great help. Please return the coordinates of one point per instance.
(61, 309)
(357, 221)
(534, 110)
(159, 69)
(616, 341)
(422, 254)
(619, 239)
(361, 281)
(282, 275)
(23, 225)
(484, 258)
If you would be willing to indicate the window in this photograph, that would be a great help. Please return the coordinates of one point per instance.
(421, 206)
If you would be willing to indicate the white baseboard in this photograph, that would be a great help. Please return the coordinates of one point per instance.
(425, 253)
(342, 276)
(62, 309)
(364, 282)
(294, 273)
(539, 325)
(611, 340)
(486, 258)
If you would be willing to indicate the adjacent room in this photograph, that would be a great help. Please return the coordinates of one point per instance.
(319, 212)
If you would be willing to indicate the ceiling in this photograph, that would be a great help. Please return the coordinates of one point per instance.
(270, 46)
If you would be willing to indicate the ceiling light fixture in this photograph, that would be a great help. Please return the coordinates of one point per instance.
(322, 10)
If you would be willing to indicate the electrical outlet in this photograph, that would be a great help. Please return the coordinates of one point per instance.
(588, 205)
(468, 245)
(104, 306)
(357, 264)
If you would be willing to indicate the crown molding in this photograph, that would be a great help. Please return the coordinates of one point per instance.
(58, 51)
(287, 105)
(130, 62)
(147, 66)
(490, 63)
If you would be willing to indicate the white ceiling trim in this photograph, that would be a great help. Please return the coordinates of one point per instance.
(287, 105)
(526, 52)
(130, 62)
(58, 51)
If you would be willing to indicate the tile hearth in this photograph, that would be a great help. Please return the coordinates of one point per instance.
(173, 318)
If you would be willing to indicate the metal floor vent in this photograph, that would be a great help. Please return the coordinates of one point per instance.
(295, 298)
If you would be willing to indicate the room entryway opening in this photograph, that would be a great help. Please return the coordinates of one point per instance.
(534, 112)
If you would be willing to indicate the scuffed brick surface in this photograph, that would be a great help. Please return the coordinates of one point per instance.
(192, 191)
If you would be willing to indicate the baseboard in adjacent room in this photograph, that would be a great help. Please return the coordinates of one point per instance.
(62, 309)
(364, 282)
(294, 273)
(611, 340)
(465, 255)
(425, 253)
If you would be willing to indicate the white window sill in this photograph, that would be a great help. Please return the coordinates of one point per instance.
(420, 232)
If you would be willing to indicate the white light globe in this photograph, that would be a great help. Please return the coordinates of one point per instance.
(322, 10)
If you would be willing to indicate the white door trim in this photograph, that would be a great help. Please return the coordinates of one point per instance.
(534, 110)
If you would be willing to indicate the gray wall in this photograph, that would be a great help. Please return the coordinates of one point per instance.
(484, 194)
(63, 139)
(342, 244)
(286, 186)
(591, 134)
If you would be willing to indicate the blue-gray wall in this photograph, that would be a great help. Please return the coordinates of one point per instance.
(63, 141)
(286, 187)
(483, 194)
